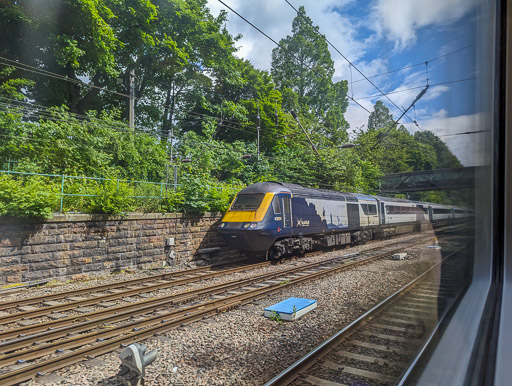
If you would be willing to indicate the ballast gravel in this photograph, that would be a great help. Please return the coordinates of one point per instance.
(241, 347)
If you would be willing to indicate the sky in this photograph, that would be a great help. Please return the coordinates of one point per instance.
(379, 36)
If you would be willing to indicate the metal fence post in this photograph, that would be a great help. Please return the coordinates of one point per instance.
(61, 195)
(175, 177)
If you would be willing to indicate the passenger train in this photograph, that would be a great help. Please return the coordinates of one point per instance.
(275, 218)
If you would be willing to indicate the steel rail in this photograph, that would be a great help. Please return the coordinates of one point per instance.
(162, 323)
(123, 312)
(10, 318)
(104, 287)
(48, 330)
(292, 372)
(129, 292)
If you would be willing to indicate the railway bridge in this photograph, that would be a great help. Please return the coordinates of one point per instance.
(424, 180)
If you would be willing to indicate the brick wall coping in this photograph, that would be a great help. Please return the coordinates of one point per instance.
(77, 217)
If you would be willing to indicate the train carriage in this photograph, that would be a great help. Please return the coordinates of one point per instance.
(276, 218)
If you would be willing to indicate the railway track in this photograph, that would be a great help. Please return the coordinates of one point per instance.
(78, 303)
(383, 345)
(37, 349)
(145, 283)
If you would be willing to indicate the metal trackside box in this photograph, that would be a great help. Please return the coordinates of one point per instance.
(290, 309)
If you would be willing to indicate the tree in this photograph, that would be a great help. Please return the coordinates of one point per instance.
(445, 158)
(397, 150)
(71, 38)
(303, 63)
(380, 117)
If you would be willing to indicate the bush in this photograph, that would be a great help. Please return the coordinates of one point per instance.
(112, 197)
(28, 197)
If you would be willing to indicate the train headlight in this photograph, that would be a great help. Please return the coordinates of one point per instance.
(247, 225)
(223, 225)
(254, 225)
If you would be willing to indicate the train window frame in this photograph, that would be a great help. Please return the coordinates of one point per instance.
(251, 208)
(276, 205)
(474, 346)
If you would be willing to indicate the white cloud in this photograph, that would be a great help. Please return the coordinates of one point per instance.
(398, 20)
(275, 19)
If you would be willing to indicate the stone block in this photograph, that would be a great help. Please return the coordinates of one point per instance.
(10, 260)
(10, 269)
(9, 251)
(90, 244)
(95, 252)
(13, 279)
(41, 239)
(43, 248)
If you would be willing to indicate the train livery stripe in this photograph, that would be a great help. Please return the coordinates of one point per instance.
(249, 215)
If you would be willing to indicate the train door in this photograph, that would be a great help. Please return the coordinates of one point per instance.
(382, 214)
(353, 215)
(287, 211)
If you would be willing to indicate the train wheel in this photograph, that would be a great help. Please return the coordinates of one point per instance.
(274, 254)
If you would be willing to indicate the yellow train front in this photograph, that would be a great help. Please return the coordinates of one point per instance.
(256, 219)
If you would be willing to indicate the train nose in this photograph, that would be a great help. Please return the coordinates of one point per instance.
(247, 240)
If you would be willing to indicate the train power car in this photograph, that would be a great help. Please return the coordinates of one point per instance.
(276, 218)
(280, 218)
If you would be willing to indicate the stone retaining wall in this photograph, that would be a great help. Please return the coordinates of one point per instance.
(68, 245)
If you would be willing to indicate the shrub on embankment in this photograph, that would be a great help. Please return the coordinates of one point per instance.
(40, 196)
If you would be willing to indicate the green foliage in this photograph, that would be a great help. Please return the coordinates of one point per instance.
(189, 84)
(27, 197)
(276, 317)
(199, 196)
(173, 201)
(112, 197)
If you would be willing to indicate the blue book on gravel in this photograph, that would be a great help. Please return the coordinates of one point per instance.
(290, 309)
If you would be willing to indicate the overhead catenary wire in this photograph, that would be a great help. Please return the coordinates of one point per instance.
(45, 113)
(418, 87)
(344, 57)
(413, 65)
(21, 66)
(282, 47)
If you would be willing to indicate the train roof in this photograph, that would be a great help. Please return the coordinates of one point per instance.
(298, 190)
(391, 199)
(301, 191)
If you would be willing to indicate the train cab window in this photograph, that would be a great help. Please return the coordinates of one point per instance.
(247, 201)
(276, 205)
(364, 207)
(372, 209)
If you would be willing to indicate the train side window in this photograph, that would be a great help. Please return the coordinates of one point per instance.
(372, 209)
(276, 205)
